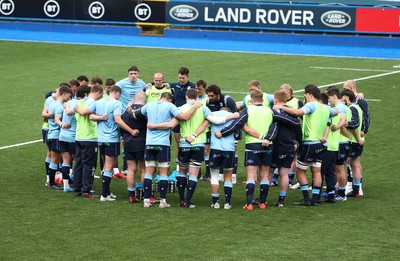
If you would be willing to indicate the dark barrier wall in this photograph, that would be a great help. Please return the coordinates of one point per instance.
(209, 14)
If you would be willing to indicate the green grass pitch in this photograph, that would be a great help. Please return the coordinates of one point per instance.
(39, 224)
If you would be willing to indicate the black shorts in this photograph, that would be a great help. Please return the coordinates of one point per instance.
(188, 154)
(311, 152)
(44, 135)
(343, 153)
(177, 129)
(110, 148)
(67, 147)
(159, 153)
(54, 145)
(282, 159)
(136, 155)
(355, 150)
(208, 137)
(258, 157)
(219, 158)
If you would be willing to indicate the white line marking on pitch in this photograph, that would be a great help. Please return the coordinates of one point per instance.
(348, 69)
(19, 144)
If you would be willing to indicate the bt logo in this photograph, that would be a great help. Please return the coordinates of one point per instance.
(6, 7)
(51, 8)
(96, 10)
(142, 12)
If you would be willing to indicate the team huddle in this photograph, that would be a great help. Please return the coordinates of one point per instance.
(283, 139)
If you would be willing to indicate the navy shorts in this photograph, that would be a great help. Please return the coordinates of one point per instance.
(54, 145)
(258, 157)
(44, 135)
(208, 137)
(343, 153)
(311, 152)
(188, 154)
(157, 153)
(219, 158)
(110, 148)
(355, 150)
(282, 159)
(136, 155)
(67, 147)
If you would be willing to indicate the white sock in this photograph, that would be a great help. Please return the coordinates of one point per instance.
(66, 183)
(116, 171)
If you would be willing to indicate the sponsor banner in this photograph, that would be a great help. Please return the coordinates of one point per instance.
(45, 9)
(261, 16)
(382, 20)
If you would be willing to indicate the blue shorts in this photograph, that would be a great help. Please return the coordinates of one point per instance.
(311, 152)
(343, 153)
(67, 147)
(159, 153)
(258, 157)
(281, 159)
(54, 145)
(110, 148)
(219, 158)
(44, 135)
(137, 155)
(355, 150)
(188, 154)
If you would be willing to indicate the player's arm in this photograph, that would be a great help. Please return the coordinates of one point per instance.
(187, 115)
(356, 134)
(342, 123)
(237, 124)
(57, 120)
(286, 119)
(124, 126)
(326, 133)
(270, 135)
(198, 131)
(163, 125)
(252, 132)
(355, 119)
(68, 109)
(46, 115)
(297, 113)
(94, 117)
(220, 120)
(82, 112)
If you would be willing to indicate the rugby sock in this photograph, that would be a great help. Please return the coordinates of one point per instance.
(46, 165)
(52, 173)
(291, 176)
(207, 160)
(349, 173)
(282, 195)
(342, 191)
(331, 194)
(264, 188)
(356, 186)
(190, 189)
(275, 177)
(236, 164)
(163, 187)
(147, 184)
(131, 191)
(315, 193)
(250, 186)
(228, 191)
(304, 190)
(65, 174)
(215, 198)
(107, 175)
(181, 182)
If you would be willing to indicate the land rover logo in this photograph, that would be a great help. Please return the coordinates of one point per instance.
(335, 19)
(184, 13)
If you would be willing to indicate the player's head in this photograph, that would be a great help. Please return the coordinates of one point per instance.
(166, 96)
(140, 97)
(109, 83)
(115, 92)
(96, 92)
(311, 90)
(213, 92)
(191, 94)
(96, 80)
(288, 89)
(74, 85)
(82, 79)
(183, 75)
(133, 73)
(333, 94)
(83, 91)
(256, 97)
(323, 97)
(351, 85)
(347, 96)
(280, 96)
(201, 86)
(158, 79)
(254, 85)
(64, 93)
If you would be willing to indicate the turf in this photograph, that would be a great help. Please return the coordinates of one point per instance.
(37, 223)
